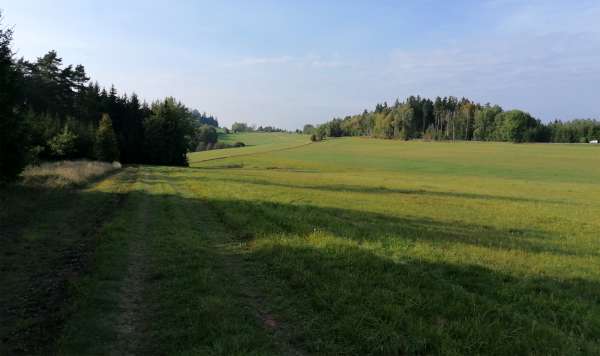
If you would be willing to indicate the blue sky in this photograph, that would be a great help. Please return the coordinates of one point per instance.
(287, 63)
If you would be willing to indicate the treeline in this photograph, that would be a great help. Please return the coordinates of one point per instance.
(244, 127)
(450, 118)
(51, 111)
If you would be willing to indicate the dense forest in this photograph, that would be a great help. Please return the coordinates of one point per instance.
(50, 111)
(449, 118)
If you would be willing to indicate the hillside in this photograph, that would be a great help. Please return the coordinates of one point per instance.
(347, 246)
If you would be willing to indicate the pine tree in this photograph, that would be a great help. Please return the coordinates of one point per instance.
(106, 147)
(13, 146)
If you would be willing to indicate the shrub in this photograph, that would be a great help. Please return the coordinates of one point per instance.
(316, 137)
(239, 144)
(63, 145)
(207, 134)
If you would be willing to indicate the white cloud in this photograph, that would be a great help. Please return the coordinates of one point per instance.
(309, 60)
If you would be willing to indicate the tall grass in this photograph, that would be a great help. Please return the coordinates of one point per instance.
(67, 173)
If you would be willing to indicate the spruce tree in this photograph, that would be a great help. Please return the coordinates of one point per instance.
(106, 147)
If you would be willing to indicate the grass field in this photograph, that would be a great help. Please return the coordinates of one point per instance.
(256, 143)
(348, 246)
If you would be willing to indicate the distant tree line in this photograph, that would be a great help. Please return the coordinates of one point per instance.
(51, 111)
(450, 118)
(244, 127)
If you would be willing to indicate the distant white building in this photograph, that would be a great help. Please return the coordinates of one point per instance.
(594, 141)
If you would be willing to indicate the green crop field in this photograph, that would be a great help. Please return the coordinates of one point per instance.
(349, 246)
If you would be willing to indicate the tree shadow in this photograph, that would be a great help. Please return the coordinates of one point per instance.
(348, 300)
(336, 298)
(378, 190)
(263, 218)
(47, 235)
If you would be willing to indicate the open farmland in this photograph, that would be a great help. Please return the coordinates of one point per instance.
(347, 246)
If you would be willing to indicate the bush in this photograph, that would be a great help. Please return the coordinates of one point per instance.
(239, 144)
(207, 134)
(64, 144)
(316, 138)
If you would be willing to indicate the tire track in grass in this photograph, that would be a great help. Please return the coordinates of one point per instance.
(110, 318)
(232, 250)
(129, 325)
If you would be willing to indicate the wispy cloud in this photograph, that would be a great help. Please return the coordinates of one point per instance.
(310, 60)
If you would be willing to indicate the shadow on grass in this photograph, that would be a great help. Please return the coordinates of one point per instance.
(266, 217)
(347, 300)
(336, 298)
(370, 190)
(47, 234)
(341, 298)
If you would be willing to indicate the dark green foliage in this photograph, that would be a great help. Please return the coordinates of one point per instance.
(241, 127)
(576, 131)
(207, 146)
(106, 146)
(334, 128)
(13, 138)
(308, 129)
(165, 133)
(204, 118)
(54, 109)
(515, 126)
(485, 122)
(64, 144)
(207, 134)
(269, 129)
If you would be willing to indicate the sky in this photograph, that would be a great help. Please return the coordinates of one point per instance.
(288, 63)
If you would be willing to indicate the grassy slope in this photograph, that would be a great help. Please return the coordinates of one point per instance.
(256, 142)
(423, 247)
(351, 246)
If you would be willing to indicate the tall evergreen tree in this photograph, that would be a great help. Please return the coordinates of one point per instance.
(13, 143)
(106, 147)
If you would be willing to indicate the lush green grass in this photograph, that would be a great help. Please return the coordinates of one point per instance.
(349, 246)
(256, 142)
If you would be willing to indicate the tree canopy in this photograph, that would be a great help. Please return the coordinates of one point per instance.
(450, 118)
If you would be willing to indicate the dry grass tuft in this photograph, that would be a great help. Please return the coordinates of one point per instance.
(66, 173)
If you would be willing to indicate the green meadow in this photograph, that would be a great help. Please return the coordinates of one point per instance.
(349, 246)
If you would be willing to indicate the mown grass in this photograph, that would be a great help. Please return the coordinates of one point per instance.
(390, 247)
(349, 246)
(256, 142)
